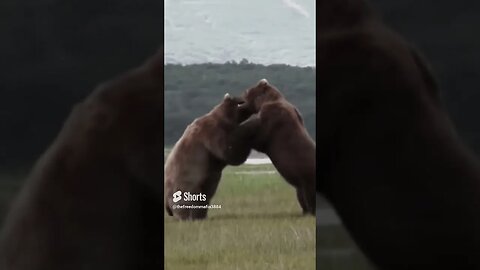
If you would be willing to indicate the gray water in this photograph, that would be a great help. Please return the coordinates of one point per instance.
(217, 31)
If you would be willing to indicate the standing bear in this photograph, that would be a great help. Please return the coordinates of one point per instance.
(194, 166)
(92, 200)
(398, 174)
(281, 134)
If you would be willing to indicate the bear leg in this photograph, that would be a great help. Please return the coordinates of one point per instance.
(301, 200)
(311, 200)
(169, 210)
(241, 140)
(307, 200)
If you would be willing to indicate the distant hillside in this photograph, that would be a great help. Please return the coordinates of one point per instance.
(193, 90)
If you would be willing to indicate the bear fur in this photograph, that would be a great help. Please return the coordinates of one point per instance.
(390, 162)
(196, 161)
(93, 199)
(280, 134)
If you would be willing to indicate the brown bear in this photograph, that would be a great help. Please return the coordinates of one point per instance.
(194, 166)
(390, 161)
(280, 133)
(94, 199)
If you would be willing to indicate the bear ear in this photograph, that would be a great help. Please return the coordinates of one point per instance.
(263, 82)
(227, 96)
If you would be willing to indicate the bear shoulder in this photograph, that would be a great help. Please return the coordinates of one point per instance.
(281, 111)
(278, 108)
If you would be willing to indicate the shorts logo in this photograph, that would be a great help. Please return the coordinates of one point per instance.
(177, 196)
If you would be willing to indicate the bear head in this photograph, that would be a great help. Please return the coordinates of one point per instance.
(228, 109)
(259, 94)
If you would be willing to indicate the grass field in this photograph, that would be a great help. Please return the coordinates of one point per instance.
(259, 226)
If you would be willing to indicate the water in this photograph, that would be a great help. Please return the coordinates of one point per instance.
(256, 172)
(217, 31)
(258, 161)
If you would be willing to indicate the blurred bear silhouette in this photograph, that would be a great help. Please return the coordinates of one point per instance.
(390, 161)
(94, 198)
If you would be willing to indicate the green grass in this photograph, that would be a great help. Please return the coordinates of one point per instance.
(259, 226)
